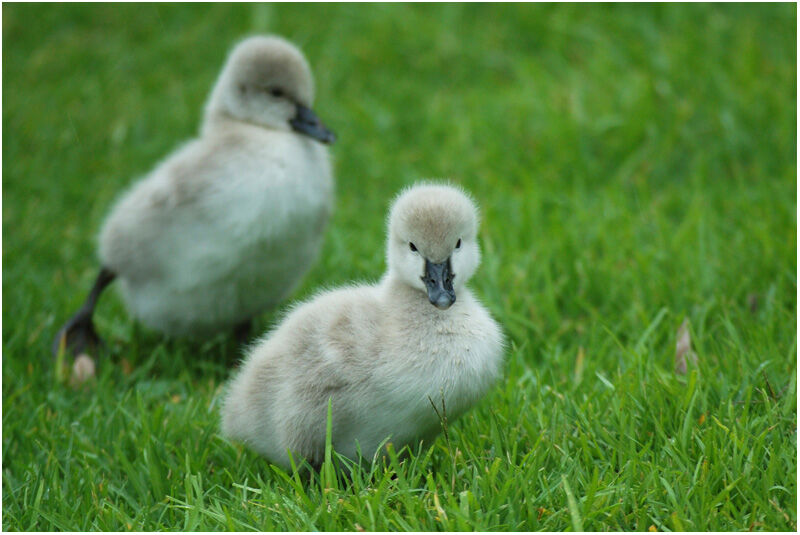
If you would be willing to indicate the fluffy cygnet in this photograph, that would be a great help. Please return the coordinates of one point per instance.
(381, 352)
(227, 225)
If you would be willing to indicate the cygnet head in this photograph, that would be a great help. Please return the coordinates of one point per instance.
(432, 241)
(267, 81)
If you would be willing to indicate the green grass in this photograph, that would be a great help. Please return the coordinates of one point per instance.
(635, 166)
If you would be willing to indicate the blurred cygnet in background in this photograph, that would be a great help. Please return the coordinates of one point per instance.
(228, 224)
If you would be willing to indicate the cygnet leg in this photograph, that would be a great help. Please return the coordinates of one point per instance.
(242, 330)
(78, 334)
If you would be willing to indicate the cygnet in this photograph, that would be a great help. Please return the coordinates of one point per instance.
(227, 225)
(383, 354)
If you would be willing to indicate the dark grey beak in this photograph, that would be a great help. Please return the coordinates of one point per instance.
(306, 122)
(438, 279)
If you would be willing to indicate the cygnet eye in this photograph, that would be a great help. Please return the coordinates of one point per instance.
(276, 92)
(412, 246)
(458, 244)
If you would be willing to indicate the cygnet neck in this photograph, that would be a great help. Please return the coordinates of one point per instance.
(215, 121)
(404, 296)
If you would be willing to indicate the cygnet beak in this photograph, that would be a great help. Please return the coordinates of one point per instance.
(438, 279)
(306, 122)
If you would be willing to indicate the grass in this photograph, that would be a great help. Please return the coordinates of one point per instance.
(635, 166)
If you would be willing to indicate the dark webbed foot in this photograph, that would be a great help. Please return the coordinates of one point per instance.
(78, 336)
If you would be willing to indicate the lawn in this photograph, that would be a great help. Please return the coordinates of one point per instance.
(635, 167)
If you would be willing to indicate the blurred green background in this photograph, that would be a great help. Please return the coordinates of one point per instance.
(635, 166)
